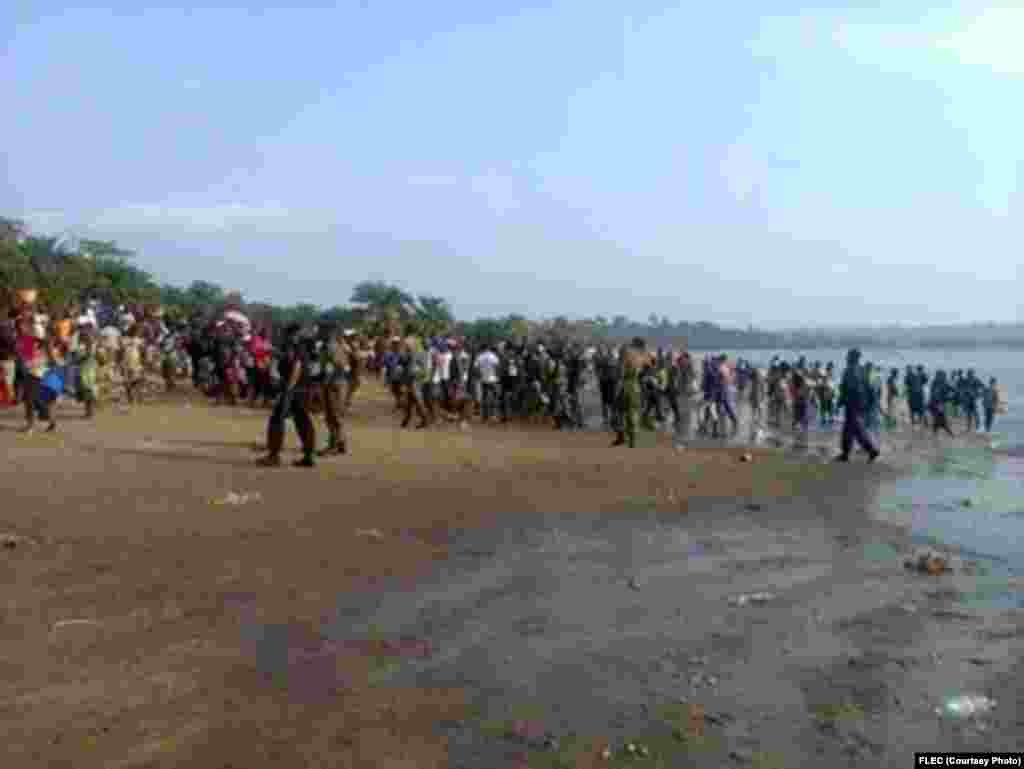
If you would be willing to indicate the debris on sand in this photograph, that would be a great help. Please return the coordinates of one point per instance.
(928, 562)
(238, 498)
(72, 634)
(70, 622)
(691, 725)
(757, 599)
(13, 541)
(966, 706)
(703, 681)
(376, 535)
(746, 458)
(634, 583)
(637, 749)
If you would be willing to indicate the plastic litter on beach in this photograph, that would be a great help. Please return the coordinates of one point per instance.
(966, 706)
(637, 749)
(12, 541)
(374, 534)
(235, 498)
(928, 562)
(757, 599)
(71, 622)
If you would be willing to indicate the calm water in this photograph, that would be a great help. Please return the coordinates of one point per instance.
(990, 474)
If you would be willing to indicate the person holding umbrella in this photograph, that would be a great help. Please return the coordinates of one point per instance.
(295, 365)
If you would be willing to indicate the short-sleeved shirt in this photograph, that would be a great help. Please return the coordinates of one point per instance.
(296, 353)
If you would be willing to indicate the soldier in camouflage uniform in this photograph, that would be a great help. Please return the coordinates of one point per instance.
(629, 395)
(334, 386)
(357, 356)
(413, 373)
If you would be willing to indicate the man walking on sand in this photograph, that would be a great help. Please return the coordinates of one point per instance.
(295, 376)
(334, 390)
(853, 397)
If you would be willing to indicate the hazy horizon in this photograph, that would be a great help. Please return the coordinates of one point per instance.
(792, 168)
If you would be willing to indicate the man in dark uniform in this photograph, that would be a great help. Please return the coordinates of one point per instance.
(853, 397)
(971, 390)
(604, 367)
(510, 372)
(295, 366)
(575, 373)
(915, 381)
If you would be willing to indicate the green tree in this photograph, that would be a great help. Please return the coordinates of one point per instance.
(117, 280)
(46, 254)
(201, 293)
(173, 296)
(382, 296)
(103, 249)
(435, 315)
(15, 269)
(12, 230)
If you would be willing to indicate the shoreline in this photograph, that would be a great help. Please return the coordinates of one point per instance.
(270, 633)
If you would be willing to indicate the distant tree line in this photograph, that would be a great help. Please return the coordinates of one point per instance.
(70, 272)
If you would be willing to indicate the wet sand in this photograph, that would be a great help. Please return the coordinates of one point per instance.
(490, 598)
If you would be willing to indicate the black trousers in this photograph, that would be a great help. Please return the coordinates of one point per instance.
(673, 403)
(939, 420)
(607, 398)
(652, 403)
(511, 397)
(971, 412)
(35, 403)
(854, 432)
(291, 405)
(489, 399)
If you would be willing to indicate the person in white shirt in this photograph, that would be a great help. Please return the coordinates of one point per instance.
(487, 365)
(126, 319)
(443, 375)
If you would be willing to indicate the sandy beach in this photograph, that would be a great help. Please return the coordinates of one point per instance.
(499, 597)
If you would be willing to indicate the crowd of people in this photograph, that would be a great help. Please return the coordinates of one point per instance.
(98, 354)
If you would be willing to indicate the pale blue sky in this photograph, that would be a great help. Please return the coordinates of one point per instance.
(790, 166)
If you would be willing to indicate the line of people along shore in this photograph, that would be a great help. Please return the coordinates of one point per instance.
(98, 355)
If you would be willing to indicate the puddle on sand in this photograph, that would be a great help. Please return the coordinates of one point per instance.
(967, 499)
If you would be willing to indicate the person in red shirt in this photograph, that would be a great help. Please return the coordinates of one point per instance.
(260, 350)
(33, 355)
